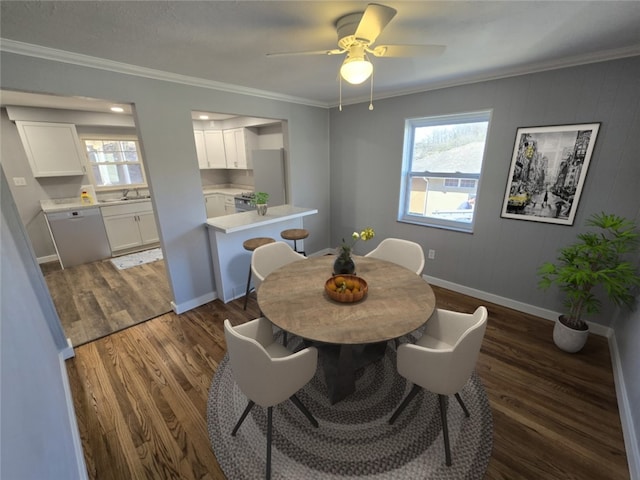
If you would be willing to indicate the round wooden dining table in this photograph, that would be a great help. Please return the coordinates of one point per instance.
(348, 335)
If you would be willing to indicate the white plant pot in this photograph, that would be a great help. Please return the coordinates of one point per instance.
(569, 339)
(261, 208)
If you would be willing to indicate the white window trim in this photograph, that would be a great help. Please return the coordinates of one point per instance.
(407, 161)
(116, 137)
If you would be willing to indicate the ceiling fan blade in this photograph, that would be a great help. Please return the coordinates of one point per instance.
(334, 51)
(407, 50)
(373, 21)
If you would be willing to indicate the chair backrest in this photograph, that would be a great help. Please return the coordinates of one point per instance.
(265, 371)
(445, 367)
(402, 252)
(267, 258)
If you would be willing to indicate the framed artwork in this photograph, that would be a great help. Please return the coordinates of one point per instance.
(548, 169)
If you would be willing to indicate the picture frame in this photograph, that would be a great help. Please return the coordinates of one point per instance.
(547, 173)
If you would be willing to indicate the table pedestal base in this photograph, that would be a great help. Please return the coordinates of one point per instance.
(341, 362)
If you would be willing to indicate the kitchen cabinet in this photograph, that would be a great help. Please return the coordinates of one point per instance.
(130, 225)
(215, 205)
(229, 204)
(201, 151)
(52, 149)
(210, 149)
(238, 144)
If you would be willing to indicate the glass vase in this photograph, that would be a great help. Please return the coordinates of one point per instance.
(344, 265)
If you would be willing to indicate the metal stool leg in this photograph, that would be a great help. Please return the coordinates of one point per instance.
(246, 294)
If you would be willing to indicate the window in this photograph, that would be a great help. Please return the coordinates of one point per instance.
(115, 162)
(442, 163)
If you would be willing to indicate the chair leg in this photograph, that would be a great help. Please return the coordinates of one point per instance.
(242, 417)
(445, 428)
(246, 293)
(269, 427)
(404, 403)
(464, 407)
(296, 401)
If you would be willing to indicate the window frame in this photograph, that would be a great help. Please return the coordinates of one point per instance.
(408, 175)
(105, 137)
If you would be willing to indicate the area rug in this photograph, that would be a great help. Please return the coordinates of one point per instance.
(354, 439)
(138, 258)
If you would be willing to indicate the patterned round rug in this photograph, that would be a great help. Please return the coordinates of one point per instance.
(353, 439)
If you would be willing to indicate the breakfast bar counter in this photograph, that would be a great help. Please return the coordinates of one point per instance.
(227, 233)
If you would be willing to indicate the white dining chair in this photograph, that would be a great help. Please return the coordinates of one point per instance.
(266, 372)
(401, 252)
(442, 360)
(267, 258)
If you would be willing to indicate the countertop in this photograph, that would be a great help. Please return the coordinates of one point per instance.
(246, 220)
(73, 203)
(224, 190)
(64, 204)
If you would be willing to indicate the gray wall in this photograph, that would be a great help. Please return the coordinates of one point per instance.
(502, 255)
(37, 436)
(163, 118)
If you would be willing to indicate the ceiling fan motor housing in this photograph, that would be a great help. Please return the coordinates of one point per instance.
(346, 27)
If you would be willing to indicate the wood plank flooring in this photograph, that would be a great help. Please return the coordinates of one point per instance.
(140, 397)
(97, 299)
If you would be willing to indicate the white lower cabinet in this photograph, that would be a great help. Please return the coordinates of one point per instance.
(129, 226)
(229, 204)
(215, 205)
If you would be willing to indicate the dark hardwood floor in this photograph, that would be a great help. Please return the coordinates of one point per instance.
(97, 299)
(140, 397)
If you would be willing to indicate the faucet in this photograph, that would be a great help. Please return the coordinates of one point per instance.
(137, 192)
(125, 192)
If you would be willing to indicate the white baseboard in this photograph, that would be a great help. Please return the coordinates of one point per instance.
(624, 407)
(594, 328)
(47, 259)
(631, 440)
(68, 352)
(193, 303)
(73, 421)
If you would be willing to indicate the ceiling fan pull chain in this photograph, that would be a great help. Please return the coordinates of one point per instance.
(340, 97)
(371, 95)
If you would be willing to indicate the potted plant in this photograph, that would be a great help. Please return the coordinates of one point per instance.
(597, 258)
(260, 201)
(344, 263)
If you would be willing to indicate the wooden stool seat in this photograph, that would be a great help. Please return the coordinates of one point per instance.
(295, 234)
(251, 244)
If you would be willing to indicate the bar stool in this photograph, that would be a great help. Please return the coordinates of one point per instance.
(251, 244)
(295, 234)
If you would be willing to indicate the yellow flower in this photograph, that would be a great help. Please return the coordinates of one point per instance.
(344, 250)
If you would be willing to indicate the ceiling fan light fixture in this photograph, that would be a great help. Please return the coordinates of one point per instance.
(356, 69)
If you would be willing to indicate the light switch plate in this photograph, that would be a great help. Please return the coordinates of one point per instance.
(19, 181)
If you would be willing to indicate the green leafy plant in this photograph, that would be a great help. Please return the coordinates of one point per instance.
(595, 259)
(260, 198)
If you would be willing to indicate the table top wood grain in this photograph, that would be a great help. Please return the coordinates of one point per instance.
(294, 299)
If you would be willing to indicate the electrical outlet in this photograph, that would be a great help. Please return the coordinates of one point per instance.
(432, 254)
(19, 181)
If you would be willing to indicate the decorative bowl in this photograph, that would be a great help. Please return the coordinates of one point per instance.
(344, 294)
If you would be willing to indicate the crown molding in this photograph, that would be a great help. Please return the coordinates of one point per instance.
(602, 56)
(46, 53)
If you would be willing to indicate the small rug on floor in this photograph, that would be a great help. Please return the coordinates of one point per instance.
(138, 258)
(354, 439)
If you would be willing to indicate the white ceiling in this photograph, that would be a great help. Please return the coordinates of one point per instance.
(226, 42)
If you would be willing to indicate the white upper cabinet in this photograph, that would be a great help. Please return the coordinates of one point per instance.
(201, 150)
(238, 144)
(210, 149)
(214, 144)
(53, 149)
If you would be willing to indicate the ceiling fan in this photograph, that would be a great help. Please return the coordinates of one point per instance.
(357, 32)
